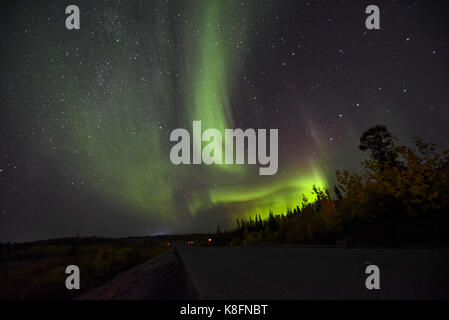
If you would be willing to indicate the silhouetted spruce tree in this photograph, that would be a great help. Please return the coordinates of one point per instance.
(338, 193)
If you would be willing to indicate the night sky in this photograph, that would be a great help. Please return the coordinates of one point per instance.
(86, 115)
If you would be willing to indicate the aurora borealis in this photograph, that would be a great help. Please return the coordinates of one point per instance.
(86, 114)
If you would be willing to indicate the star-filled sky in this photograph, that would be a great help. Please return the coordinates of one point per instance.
(86, 115)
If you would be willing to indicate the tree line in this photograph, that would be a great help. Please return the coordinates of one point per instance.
(400, 197)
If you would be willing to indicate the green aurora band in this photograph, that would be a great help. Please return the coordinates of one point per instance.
(123, 132)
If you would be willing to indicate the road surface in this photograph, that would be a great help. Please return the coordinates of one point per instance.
(315, 272)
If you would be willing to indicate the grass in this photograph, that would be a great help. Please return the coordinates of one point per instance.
(37, 270)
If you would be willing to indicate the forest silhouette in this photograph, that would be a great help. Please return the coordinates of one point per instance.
(401, 197)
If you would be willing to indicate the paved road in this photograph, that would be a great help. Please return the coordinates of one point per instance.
(315, 273)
